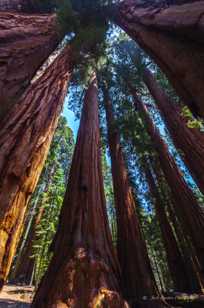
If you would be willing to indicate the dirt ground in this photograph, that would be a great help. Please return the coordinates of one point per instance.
(13, 296)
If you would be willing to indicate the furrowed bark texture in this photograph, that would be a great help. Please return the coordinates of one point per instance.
(187, 209)
(137, 275)
(84, 270)
(26, 41)
(189, 140)
(25, 137)
(173, 37)
(175, 259)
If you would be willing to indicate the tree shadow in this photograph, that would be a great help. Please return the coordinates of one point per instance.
(8, 303)
(18, 291)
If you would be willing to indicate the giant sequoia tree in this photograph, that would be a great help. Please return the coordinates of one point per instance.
(26, 41)
(25, 263)
(44, 207)
(153, 25)
(132, 64)
(189, 140)
(188, 210)
(84, 270)
(178, 256)
(31, 124)
(176, 261)
(179, 30)
(137, 276)
(189, 277)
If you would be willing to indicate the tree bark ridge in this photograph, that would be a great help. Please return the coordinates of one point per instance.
(84, 270)
(26, 41)
(173, 37)
(189, 212)
(31, 125)
(189, 140)
(175, 260)
(137, 276)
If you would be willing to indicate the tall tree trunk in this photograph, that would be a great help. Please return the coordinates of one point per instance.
(27, 224)
(26, 41)
(175, 259)
(189, 140)
(185, 245)
(179, 30)
(137, 275)
(84, 270)
(187, 208)
(157, 270)
(25, 137)
(25, 264)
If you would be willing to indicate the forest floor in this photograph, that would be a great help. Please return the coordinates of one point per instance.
(16, 296)
(13, 296)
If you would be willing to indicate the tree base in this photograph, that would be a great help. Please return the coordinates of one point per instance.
(84, 281)
(1, 284)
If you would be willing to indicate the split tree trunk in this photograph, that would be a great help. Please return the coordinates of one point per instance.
(173, 37)
(26, 41)
(189, 140)
(137, 276)
(25, 137)
(190, 214)
(84, 270)
(175, 259)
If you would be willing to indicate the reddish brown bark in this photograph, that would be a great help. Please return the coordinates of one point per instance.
(137, 275)
(188, 210)
(175, 259)
(25, 43)
(173, 37)
(191, 263)
(189, 140)
(25, 136)
(84, 270)
(185, 245)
